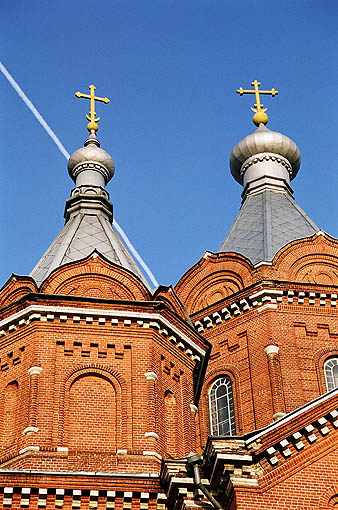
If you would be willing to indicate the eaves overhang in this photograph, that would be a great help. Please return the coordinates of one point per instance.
(264, 295)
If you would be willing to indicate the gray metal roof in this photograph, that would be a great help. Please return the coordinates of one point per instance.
(89, 216)
(81, 235)
(265, 223)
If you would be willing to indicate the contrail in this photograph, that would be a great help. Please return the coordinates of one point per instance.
(34, 111)
(62, 149)
(135, 253)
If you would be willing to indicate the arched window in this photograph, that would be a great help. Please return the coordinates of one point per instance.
(331, 373)
(221, 405)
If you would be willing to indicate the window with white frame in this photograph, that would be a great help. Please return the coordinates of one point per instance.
(331, 373)
(221, 406)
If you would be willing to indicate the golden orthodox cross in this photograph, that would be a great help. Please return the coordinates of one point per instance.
(260, 116)
(92, 125)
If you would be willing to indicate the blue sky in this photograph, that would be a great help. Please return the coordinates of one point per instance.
(170, 68)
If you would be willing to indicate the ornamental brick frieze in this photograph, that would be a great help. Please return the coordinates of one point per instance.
(111, 318)
(168, 368)
(12, 358)
(32, 497)
(87, 349)
(265, 299)
(87, 277)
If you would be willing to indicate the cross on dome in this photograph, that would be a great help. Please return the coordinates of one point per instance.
(93, 120)
(260, 116)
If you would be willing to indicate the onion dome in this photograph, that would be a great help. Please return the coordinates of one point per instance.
(85, 163)
(88, 211)
(265, 162)
(264, 145)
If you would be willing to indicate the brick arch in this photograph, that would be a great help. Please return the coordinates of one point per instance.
(318, 268)
(15, 288)
(95, 285)
(329, 498)
(204, 401)
(117, 382)
(215, 288)
(212, 279)
(94, 276)
(319, 358)
(311, 260)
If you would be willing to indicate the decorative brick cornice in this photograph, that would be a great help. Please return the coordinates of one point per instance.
(180, 487)
(230, 459)
(268, 298)
(101, 317)
(55, 497)
(307, 435)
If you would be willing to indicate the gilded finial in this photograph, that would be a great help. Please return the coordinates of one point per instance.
(260, 116)
(93, 120)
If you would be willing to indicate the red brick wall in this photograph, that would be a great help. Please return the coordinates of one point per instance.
(91, 420)
(92, 395)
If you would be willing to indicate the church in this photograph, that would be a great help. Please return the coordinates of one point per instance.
(220, 392)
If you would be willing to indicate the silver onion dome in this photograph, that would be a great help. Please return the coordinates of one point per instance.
(91, 159)
(264, 141)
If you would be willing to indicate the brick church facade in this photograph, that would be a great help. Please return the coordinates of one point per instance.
(220, 392)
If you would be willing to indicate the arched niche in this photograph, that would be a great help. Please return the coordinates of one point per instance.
(95, 277)
(212, 279)
(170, 424)
(93, 414)
(15, 288)
(9, 414)
(310, 260)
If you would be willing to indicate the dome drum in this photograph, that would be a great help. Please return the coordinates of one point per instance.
(90, 190)
(265, 165)
(90, 173)
(88, 203)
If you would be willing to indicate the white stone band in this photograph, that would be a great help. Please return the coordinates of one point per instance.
(34, 371)
(151, 434)
(193, 408)
(31, 429)
(29, 449)
(150, 376)
(62, 449)
(271, 349)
